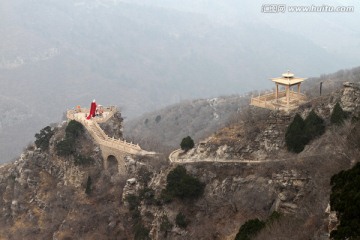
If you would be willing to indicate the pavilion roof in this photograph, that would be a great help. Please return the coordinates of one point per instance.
(288, 78)
(288, 81)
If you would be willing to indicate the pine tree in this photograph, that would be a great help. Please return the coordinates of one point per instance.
(250, 229)
(187, 143)
(314, 126)
(345, 200)
(181, 184)
(181, 220)
(338, 115)
(295, 137)
(43, 138)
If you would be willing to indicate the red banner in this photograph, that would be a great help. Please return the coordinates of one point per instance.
(92, 110)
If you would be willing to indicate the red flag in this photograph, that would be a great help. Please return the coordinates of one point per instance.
(92, 110)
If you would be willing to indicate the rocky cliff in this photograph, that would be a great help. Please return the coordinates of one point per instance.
(46, 195)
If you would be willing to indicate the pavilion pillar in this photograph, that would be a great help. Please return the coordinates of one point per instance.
(299, 88)
(287, 95)
(277, 91)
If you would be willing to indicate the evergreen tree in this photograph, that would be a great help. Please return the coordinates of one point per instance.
(345, 200)
(181, 220)
(187, 143)
(66, 147)
(249, 229)
(338, 115)
(295, 137)
(74, 129)
(165, 225)
(314, 126)
(43, 138)
(182, 185)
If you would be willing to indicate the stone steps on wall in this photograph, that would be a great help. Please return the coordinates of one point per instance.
(104, 140)
(97, 132)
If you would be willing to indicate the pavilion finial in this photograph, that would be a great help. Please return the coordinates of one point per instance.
(288, 74)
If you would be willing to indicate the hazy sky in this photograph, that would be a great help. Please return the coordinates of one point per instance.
(143, 55)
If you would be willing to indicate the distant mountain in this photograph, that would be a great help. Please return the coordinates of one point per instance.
(59, 54)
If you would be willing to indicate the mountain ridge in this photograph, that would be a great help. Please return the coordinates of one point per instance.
(122, 54)
(42, 182)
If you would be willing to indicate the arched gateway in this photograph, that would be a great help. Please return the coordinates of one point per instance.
(112, 164)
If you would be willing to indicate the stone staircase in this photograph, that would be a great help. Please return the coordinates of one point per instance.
(95, 129)
(100, 136)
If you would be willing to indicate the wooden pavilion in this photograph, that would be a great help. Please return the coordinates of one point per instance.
(286, 99)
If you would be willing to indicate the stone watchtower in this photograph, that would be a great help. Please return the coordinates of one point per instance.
(286, 99)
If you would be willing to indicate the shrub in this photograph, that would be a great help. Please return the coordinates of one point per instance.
(141, 232)
(43, 138)
(158, 118)
(249, 229)
(82, 160)
(187, 143)
(338, 115)
(181, 220)
(275, 216)
(88, 186)
(133, 201)
(354, 137)
(314, 126)
(136, 215)
(182, 185)
(144, 175)
(165, 225)
(165, 197)
(345, 200)
(74, 129)
(65, 147)
(295, 137)
(147, 194)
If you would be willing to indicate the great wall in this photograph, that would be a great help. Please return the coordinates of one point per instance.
(110, 147)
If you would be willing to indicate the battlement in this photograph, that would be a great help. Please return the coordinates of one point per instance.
(81, 113)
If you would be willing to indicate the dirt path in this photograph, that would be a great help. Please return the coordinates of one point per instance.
(174, 158)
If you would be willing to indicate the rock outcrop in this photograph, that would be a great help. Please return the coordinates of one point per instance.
(43, 194)
(114, 126)
(351, 97)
